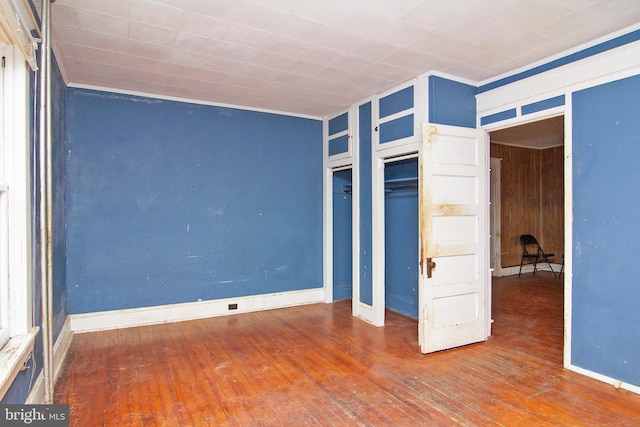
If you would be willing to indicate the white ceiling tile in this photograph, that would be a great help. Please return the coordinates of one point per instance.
(244, 91)
(283, 5)
(461, 52)
(320, 55)
(432, 43)
(140, 63)
(147, 50)
(286, 46)
(77, 66)
(497, 34)
(393, 9)
(328, 12)
(273, 75)
(274, 60)
(604, 9)
(71, 3)
(374, 49)
(390, 72)
(311, 89)
(487, 57)
(305, 68)
(467, 25)
(197, 85)
(90, 54)
(101, 23)
(179, 4)
(301, 28)
(252, 83)
(65, 32)
(408, 58)
(334, 75)
(152, 34)
(228, 50)
(245, 36)
(204, 26)
(288, 79)
(436, 14)
(500, 8)
(193, 43)
(64, 15)
(108, 69)
(225, 65)
(212, 8)
(537, 14)
(188, 58)
(259, 17)
(199, 74)
(342, 40)
(263, 72)
(364, 81)
(118, 8)
(103, 41)
(155, 14)
(353, 63)
(365, 22)
(401, 33)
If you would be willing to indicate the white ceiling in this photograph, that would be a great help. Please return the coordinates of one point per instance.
(312, 57)
(539, 135)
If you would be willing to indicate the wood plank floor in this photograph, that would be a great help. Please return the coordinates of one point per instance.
(317, 365)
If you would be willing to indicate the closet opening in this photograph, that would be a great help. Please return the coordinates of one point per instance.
(401, 235)
(342, 235)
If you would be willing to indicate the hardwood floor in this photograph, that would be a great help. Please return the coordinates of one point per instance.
(317, 365)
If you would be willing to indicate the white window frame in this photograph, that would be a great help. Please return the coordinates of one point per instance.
(16, 313)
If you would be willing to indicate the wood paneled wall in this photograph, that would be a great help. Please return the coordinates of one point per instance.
(532, 199)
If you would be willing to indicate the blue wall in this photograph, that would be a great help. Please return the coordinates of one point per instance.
(366, 200)
(452, 103)
(171, 202)
(342, 235)
(606, 149)
(395, 103)
(59, 155)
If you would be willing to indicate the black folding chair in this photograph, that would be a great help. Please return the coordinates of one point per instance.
(533, 253)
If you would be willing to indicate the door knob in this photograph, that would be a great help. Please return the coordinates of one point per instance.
(430, 266)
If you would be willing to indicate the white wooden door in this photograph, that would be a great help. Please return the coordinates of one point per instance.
(454, 274)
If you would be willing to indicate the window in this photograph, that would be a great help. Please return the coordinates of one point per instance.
(15, 210)
(16, 333)
(17, 54)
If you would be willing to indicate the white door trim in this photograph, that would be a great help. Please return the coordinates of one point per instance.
(495, 216)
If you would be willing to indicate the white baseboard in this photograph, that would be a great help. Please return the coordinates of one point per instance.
(528, 268)
(605, 379)
(60, 349)
(368, 314)
(36, 395)
(143, 316)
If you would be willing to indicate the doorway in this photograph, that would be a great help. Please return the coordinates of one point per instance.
(342, 208)
(530, 193)
(527, 163)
